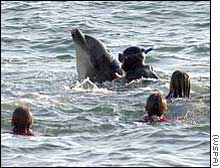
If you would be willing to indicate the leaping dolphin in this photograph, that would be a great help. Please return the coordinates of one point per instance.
(93, 59)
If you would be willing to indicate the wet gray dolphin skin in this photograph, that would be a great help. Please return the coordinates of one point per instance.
(93, 59)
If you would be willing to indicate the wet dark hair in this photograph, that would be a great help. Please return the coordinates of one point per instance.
(132, 50)
(156, 104)
(179, 85)
(22, 118)
(132, 57)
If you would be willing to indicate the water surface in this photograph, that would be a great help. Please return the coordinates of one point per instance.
(95, 125)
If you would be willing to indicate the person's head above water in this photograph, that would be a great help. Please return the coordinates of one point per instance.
(133, 64)
(156, 106)
(132, 57)
(179, 85)
(22, 121)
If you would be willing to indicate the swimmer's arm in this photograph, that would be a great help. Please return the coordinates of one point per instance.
(149, 73)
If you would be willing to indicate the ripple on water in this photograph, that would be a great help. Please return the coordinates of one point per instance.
(85, 123)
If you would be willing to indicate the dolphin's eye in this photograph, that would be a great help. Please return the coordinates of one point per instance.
(108, 50)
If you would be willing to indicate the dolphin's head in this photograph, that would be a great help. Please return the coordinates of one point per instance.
(78, 37)
(93, 59)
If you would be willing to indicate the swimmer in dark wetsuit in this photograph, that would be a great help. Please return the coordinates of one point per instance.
(156, 106)
(179, 85)
(132, 61)
(22, 121)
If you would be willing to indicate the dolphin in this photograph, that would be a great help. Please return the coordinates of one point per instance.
(93, 59)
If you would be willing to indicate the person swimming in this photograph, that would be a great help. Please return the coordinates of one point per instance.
(22, 121)
(179, 85)
(132, 61)
(156, 106)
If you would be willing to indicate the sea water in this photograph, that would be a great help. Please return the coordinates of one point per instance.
(90, 124)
